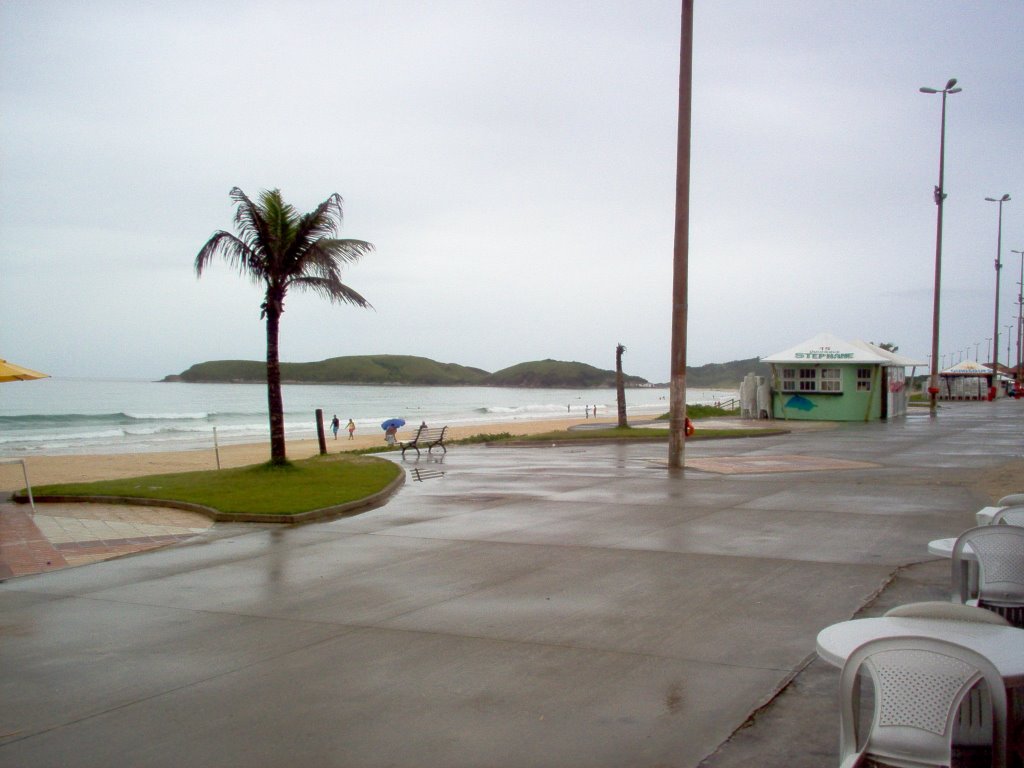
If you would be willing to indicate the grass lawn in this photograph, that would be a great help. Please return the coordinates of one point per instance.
(302, 486)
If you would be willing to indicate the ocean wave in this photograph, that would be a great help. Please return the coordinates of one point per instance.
(532, 408)
(35, 419)
(42, 437)
(170, 416)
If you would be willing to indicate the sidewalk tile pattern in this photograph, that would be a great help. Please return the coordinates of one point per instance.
(63, 535)
(738, 465)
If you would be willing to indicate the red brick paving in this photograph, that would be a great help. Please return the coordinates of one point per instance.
(738, 465)
(23, 548)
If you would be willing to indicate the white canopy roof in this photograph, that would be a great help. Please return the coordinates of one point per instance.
(893, 357)
(826, 348)
(968, 368)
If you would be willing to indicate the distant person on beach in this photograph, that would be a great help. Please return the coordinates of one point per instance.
(335, 426)
(351, 427)
(389, 434)
(587, 410)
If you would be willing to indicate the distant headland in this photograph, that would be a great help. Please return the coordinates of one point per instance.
(408, 370)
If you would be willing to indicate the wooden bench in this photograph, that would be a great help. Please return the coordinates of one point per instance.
(426, 437)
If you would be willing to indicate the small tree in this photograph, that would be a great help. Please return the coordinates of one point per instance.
(620, 385)
(888, 346)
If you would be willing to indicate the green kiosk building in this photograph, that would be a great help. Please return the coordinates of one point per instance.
(828, 379)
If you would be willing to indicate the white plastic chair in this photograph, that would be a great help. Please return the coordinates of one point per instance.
(1013, 515)
(1013, 498)
(919, 684)
(973, 726)
(999, 551)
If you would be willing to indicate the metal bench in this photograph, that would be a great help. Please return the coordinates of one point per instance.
(426, 437)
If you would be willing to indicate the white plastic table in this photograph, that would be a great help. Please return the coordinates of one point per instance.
(944, 548)
(968, 566)
(1003, 646)
(984, 515)
(24, 471)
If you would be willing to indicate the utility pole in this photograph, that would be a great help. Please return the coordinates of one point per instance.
(994, 389)
(681, 249)
(940, 197)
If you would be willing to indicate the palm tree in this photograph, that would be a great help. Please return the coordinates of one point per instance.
(620, 388)
(278, 248)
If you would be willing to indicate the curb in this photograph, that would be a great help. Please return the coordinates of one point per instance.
(369, 502)
(625, 440)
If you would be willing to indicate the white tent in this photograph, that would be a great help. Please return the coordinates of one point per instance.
(895, 358)
(966, 380)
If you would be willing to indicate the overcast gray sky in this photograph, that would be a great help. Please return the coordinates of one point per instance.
(513, 161)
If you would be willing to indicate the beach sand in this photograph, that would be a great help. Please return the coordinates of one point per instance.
(44, 470)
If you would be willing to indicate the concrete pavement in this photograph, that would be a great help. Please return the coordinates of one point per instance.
(578, 606)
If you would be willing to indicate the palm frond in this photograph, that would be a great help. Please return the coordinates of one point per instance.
(234, 251)
(282, 223)
(250, 221)
(345, 251)
(322, 222)
(333, 290)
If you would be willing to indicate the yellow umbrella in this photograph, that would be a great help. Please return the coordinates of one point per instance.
(12, 372)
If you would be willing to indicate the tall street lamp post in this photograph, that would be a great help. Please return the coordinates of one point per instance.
(995, 324)
(1020, 322)
(940, 195)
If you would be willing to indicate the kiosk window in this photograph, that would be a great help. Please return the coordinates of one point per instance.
(831, 380)
(812, 380)
(863, 379)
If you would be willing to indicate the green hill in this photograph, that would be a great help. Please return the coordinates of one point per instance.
(555, 374)
(356, 369)
(724, 375)
(422, 371)
(407, 370)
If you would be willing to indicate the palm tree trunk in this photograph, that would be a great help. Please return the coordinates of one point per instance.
(620, 387)
(275, 403)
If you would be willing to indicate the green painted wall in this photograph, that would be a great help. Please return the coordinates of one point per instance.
(851, 405)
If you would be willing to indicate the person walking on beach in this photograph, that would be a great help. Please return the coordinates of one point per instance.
(351, 427)
(335, 425)
(390, 433)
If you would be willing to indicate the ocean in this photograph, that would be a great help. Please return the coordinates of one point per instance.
(85, 416)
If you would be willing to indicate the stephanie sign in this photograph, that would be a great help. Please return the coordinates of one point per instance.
(825, 353)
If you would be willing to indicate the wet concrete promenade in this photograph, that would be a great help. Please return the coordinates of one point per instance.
(571, 606)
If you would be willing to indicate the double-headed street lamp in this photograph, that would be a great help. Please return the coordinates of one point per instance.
(999, 265)
(940, 195)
